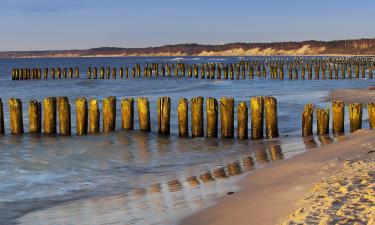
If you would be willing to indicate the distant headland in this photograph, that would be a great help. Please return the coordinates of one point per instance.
(336, 47)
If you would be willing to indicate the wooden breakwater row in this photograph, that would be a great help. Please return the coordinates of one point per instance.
(263, 111)
(276, 68)
(338, 115)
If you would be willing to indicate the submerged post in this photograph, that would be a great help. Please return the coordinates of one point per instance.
(257, 112)
(242, 120)
(81, 116)
(16, 118)
(35, 117)
(272, 129)
(322, 123)
(355, 116)
(227, 117)
(109, 114)
(63, 108)
(338, 115)
(183, 117)
(197, 117)
(164, 115)
(2, 129)
(371, 114)
(127, 111)
(307, 120)
(94, 117)
(212, 117)
(144, 114)
(49, 115)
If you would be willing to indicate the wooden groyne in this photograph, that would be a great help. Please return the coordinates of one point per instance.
(305, 68)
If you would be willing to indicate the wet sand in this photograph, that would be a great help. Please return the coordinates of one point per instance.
(280, 192)
(363, 96)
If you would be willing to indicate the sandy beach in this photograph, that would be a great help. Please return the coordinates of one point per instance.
(363, 96)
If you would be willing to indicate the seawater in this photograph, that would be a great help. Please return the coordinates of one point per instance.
(131, 177)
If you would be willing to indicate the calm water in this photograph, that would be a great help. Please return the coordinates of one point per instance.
(134, 177)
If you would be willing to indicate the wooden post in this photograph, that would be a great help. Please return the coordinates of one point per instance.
(164, 115)
(307, 120)
(183, 118)
(242, 120)
(127, 111)
(76, 72)
(272, 130)
(94, 115)
(35, 117)
(95, 73)
(109, 114)
(227, 117)
(212, 117)
(63, 108)
(338, 115)
(89, 73)
(322, 125)
(144, 114)
(49, 115)
(257, 112)
(16, 118)
(371, 114)
(81, 116)
(355, 116)
(197, 117)
(2, 128)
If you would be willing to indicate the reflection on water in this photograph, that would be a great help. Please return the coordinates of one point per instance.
(126, 177)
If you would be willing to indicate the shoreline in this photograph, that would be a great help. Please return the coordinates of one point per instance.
(273, 193)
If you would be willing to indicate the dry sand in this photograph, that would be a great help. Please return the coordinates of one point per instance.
(327, 185)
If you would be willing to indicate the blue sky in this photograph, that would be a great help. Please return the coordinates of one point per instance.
(80, 24)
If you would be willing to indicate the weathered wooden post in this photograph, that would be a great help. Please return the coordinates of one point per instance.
(272, 130)
(2, 128)
(109, 114)
(164, 115)
(63, 108)
(58, 73)
(212, 117)
(16, 118)
(45, 73)
(307, 120)
(49, 115)
(355, 116)
(242, 120)
(257, 112)
(76, 72)
(144, 114)
(102, 72)
(322, 123)
(94, 117)
(89, 73)
(183, 118)
(108, 73)
(127, 111)
(197, 117)
(65, 72)
(81, 116)
(338, 115)
(114, 73)
(70, 72)
(121, 72)
(371, 114)
(35, 117)
(95, 73)
(227, 117)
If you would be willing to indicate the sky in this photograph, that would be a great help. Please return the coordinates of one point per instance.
(82, 24)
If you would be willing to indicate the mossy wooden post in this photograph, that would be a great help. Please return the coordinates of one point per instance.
(108, 73)
(65, 73)
(121, 72)
(197, 117)
(126, 72)
(89, 73)
(144, 114)
(45, 73)
(307, 120)
(212, 117)
(182, 113)
(49, 115)
(322, 121)
(227, 117)
(102, 72)
(94, 117)
(114, 73)
(272, 129)
(81, 116)
(58, 73)
(16, 118)
(338, 115)
(63, 108)
(127, 112)
(164, 115)
(371, 114)
(242, 121)
(35, 117)
(95, 75)
(76, 72)
(257, 113)
(53, 73)
(70, 72)
(355, 116)
(2, 128)
(109, 114)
